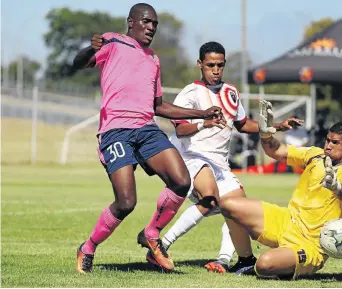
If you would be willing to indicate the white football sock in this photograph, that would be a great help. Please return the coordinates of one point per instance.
(189, 219)
(227, 248)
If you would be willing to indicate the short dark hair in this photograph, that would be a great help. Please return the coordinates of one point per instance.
(209, 47)
(336, 128)
(139, 6)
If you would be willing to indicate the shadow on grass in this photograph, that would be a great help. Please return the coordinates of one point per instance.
(147, 267)
(141, 266)
(195, 262)
(133, 267)
(328, 277)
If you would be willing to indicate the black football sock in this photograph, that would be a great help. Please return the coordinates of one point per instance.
(247, 260)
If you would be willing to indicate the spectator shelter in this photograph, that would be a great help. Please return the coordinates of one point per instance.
(317, 60)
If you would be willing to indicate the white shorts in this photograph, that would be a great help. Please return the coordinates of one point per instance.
(225, 179)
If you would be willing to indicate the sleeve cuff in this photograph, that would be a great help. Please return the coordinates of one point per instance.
(242, 121)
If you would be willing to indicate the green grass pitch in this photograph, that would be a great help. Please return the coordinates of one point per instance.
(47, 211)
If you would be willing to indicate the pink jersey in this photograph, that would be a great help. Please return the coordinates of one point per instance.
(130, 80)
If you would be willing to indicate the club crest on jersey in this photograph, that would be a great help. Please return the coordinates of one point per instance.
(232, 96)
(229, 100)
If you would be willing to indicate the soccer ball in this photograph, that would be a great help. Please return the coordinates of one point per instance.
(331, 238)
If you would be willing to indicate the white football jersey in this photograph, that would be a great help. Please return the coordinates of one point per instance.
(211, 143)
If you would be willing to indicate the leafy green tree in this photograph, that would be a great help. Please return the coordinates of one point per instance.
(232, 71)
(317, 26)
(69, 32)
(175, 67)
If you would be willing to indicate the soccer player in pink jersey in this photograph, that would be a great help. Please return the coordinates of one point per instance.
(132, 95)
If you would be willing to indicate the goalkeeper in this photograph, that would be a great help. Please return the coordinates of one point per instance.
(293, 231)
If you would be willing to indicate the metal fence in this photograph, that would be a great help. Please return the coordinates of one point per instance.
(35, 123)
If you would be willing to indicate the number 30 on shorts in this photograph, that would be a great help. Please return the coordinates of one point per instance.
(116, 150)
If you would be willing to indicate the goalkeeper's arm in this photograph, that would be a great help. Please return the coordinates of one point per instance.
(274, 149)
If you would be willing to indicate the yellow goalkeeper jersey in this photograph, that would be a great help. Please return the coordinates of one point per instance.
(311, 204)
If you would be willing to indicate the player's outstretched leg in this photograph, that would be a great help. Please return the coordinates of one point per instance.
(241, 220)
(125, 200)
(248, 213)
(169, 165)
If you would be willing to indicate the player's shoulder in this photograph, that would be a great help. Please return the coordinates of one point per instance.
(309, 151)
(186, 93)
(314, 152)
(190, 88)
(117, 40)
(230, 87)
(111, 35)
(308, 154)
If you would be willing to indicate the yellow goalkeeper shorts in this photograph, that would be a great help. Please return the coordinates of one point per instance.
(281, 231)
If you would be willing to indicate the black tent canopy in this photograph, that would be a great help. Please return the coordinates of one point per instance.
(316, 60)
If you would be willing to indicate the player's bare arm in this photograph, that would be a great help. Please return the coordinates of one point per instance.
(288, 124)
(171, 111)
(190, 129)
(272, 147)
(249, 126)
(86, 57)
(252, 126)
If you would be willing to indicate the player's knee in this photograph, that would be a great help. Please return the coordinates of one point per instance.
(265, 266)
(125, 207)
(227, 207)
(182, 185)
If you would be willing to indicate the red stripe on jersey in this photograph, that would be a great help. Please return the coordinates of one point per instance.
(200, 83)
(223, 107)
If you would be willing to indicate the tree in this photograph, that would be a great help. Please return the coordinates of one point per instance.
(232, 71)
(176, 68)
(317, 26)
(70, 31)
